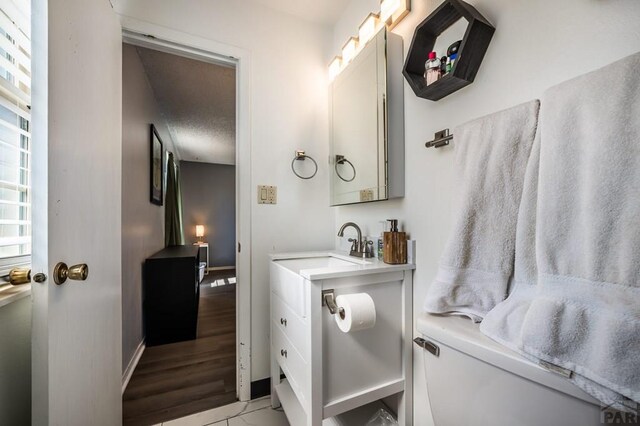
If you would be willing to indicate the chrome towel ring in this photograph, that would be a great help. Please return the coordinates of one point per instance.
(341, 159)
(301, 156)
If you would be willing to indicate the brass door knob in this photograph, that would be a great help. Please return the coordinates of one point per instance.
(78, 272)
(19, 276)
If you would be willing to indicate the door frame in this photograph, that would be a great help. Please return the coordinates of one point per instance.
(156, 37)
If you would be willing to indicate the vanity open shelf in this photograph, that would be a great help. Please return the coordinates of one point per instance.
(472, 49)
(328, 372)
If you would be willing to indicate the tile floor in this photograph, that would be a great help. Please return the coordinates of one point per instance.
(253, 413)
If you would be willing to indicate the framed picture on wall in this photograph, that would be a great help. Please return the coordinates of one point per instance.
(157, 168)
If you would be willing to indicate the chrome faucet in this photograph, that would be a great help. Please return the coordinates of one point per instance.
(359, 247)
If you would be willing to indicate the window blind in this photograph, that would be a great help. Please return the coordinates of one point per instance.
(15, 134)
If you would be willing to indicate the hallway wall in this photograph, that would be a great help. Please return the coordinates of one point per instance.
(142, 222)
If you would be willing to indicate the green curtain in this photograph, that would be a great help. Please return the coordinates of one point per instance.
(173, 233)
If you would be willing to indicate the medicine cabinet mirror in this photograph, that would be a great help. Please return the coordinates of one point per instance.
(366, 115)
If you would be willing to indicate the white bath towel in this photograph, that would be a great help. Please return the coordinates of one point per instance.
(491, 157)
(578, 306)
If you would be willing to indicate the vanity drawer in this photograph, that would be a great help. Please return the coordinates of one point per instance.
(294, 327)
(291, 362)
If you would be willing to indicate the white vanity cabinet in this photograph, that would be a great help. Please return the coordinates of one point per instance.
(329, 372)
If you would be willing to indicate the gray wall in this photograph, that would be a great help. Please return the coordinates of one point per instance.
(208, 196)
(15, 363)
(142, 222)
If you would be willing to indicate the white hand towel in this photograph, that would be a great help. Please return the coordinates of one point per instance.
(491, 157)
(581, 309)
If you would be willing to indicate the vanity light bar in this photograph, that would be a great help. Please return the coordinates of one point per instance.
(397, 10)
(391, 13)
(349, 50)
(334, 67)
(368, 28)
(387, 9)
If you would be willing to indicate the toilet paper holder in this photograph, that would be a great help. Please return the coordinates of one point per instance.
(329, 300)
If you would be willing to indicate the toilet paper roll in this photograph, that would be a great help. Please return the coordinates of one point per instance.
(359, 312)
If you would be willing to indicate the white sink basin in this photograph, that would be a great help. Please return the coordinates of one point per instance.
(298, 264)
(320, 265)
(290, 273)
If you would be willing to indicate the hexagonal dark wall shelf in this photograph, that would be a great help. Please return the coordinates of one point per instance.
(470, 54)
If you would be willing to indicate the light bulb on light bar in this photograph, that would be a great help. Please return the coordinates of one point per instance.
(393, 11)
(367, 28)
(388, 8)
(349, 50)
(334, 67)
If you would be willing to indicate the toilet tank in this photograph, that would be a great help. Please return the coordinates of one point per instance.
(475, 381)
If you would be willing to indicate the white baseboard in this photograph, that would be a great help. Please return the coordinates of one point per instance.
(126, 376)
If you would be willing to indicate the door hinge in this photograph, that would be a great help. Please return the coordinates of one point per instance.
(239, 247)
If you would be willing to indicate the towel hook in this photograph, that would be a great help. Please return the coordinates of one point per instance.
(341, 159)
(440, 139)
(301, 156)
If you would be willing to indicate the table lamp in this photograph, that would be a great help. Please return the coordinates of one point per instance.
(199, 232)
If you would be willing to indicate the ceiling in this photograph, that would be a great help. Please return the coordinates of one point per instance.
(324, 12)
(197, 100)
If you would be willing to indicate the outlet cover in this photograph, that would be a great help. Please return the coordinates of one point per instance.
(366, 195)
(267, 194)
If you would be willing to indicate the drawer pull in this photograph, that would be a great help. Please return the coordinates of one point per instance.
(283, 352)
(283, 321)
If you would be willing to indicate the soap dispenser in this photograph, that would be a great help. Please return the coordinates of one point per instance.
(395, 245)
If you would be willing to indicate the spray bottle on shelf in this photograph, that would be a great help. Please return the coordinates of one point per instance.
(432, 68)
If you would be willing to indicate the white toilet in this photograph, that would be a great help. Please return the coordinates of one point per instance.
(475, 381)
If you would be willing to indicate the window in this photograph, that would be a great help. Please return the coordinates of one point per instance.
(15, 134)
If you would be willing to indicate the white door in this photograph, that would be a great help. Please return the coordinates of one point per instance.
(76, 118)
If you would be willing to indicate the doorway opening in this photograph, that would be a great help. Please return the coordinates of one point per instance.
(191, 99)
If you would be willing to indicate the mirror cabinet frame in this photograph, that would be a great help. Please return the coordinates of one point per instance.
(390, 122)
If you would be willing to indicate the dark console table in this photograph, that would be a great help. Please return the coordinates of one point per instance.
(171, 295)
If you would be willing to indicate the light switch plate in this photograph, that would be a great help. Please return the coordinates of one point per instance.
(267, 194)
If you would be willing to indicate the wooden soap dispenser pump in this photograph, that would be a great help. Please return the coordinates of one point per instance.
(395, 245)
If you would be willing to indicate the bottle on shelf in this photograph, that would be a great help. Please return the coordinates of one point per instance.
(443, 66)
(452, 54)
(432, 69)
(453, 58)
(453, 49)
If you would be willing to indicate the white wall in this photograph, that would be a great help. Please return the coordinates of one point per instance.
(142, 222)
(536, 44)
(15, 362)
(288, 111)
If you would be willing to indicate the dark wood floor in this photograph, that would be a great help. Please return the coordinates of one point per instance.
(183, 378)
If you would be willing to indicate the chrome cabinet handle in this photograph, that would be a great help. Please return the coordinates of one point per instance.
(283, 352)
(283, 321)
